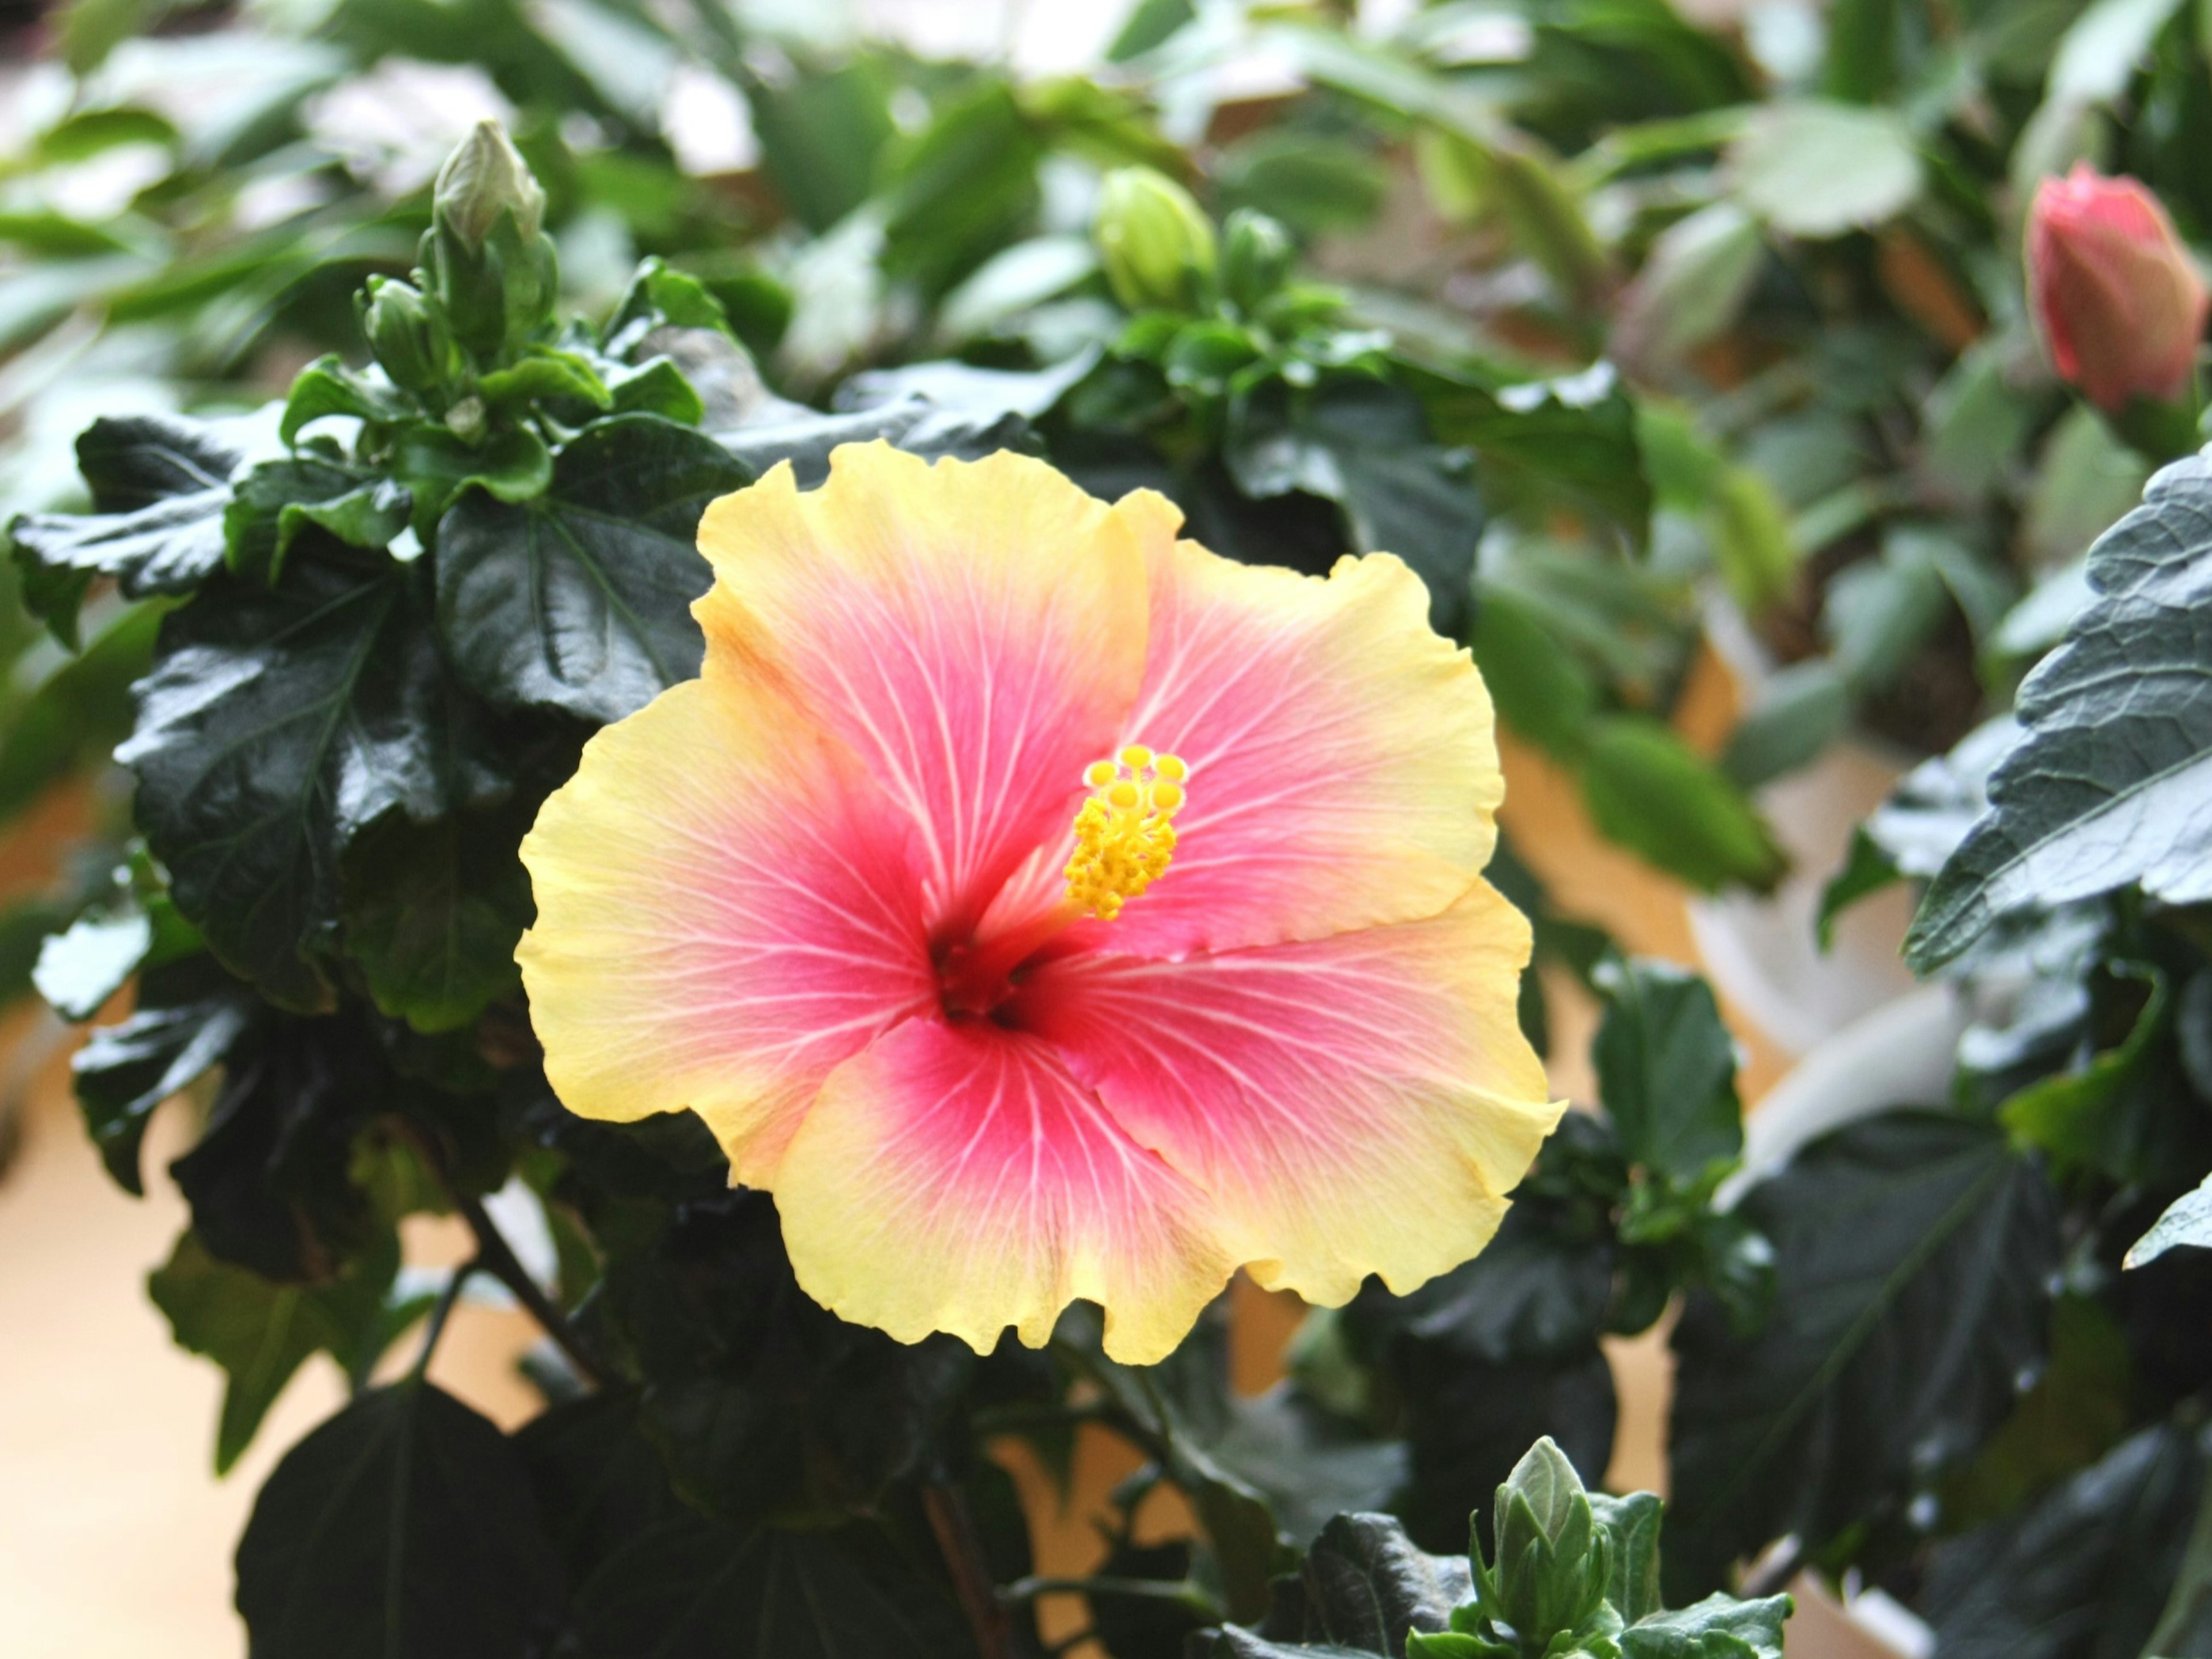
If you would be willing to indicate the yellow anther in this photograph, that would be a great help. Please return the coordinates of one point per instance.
(1123, 841)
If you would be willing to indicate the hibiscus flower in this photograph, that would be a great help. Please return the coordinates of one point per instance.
(1042, 907)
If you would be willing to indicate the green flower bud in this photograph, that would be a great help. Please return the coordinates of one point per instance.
(1554, 1564)
(487, 256)
(408, 334)
(1156, 244)
(1255, 256)
(481, 179)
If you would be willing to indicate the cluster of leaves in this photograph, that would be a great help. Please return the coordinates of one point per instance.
(1575, 1576)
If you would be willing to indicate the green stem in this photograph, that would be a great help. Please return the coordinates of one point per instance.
(435, 1328)
(498, 1259)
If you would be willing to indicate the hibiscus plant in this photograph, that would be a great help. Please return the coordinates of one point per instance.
(869, 917)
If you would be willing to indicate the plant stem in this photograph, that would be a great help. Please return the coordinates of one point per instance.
(971, 1574)
(1181, 1591)
(499, 1260)
(434, 1327)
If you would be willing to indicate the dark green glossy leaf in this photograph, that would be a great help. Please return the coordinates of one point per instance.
(1573, 441)
(160, 483)
(767, 1403)
(189, 1016)
(1914, 1254)
(693, 1590)
(275, 724)
(1364, 445)
(404, 1528)
(1666, 1069)
(2111, 784)
(600, 1484)
(581, 599)
(433, 913)
(271, 1178)
(273, 504)
(2083, 1573)
(1361, 1588)
(260, 1331)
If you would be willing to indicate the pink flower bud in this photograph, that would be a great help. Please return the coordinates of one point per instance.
(2117, 296)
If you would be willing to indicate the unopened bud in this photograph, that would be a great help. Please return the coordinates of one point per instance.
(1255, 256)
(1156, 243)
(481, 179)
(408, 334)
(2119, 301)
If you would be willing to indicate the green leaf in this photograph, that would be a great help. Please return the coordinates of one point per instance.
(691, 1590)
(2085, 1569)
(1362, 1587)
(403, 1526)
(2187, 1221)
(260, 1333)
(160, 483)
(963, 188)
(275, 724)
(1649, 793)
(1878, 613)
(2112, 784)
(1914, 1254)
(1633, 1522)
(581, 600)
(73, 720)
(190, 1015)
(1818, 169)
(328, 387)
(658, 387)
(1151, 23)
(433, 914)
(1693, 286)
(1543, 693)
(820, 135)
(1364, 444)
(1666, 1070)
(1717, 1626)
(2124, 1113)
(2103, 49)
(659, 298)
(1572, 441)
(600, 1484)
(437, 467)
(274, 502)
(1796, 714)
(544, 375)
(1867, 869)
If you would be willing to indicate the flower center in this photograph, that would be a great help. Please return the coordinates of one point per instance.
(1123, 838)
(1123, 843)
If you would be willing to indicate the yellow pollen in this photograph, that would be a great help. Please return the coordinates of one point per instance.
(1123, 839)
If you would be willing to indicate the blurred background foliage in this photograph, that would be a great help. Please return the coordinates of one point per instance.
(1671, 344)
(1788, 232)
